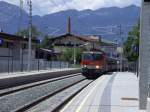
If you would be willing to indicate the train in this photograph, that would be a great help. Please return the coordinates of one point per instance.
(95, 63)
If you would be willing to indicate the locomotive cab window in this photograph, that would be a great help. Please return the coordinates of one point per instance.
(91, 56)
(97, 56)
(87, 56)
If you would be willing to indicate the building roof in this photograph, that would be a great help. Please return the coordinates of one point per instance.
(11, 37)
(95, 39)
(105, 42)
(51, 52)
(83, 38)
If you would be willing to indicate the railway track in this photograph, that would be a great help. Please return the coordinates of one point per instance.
(26, 86)
(26, 97)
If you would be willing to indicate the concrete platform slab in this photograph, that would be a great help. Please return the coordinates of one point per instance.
(116, 92)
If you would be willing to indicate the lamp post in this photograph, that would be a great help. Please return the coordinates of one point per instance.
(74, 54)
(121, 49)
(30, 34)
(117, 43)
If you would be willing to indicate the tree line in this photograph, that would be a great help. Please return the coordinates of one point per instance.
(131, 46)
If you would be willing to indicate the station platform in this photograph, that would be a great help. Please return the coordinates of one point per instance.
(20, 74)
(115, 92)
(22, 78)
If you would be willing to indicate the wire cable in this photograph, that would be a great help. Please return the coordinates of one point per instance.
(67, 6)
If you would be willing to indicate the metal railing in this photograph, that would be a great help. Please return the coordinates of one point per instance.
(9, 65)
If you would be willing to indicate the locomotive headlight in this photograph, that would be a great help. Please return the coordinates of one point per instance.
(85, 66)
(97, 67)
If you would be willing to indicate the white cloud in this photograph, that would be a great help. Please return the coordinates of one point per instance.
(41, 7)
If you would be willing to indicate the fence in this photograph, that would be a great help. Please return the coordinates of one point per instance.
(9, 65)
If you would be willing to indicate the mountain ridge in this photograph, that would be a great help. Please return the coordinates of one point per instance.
(82, 21)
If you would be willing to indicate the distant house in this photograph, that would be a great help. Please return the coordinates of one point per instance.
(62, 42)
(14, 53)
(16, 47)
(47, 54)
(109, 47)
(71, 41)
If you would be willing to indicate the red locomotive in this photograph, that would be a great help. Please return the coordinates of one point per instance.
(94, 63)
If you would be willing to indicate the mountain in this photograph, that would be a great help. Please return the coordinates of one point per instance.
(83, 22)
(9, 17)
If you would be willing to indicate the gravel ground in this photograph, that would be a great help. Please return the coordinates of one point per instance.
(16, 100)
(53, 102)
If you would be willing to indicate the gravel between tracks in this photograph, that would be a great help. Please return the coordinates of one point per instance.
(19, 99)
(53, 102)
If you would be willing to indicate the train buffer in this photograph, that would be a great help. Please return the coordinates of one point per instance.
(114, 92)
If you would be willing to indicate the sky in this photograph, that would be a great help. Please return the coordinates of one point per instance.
(43, 7)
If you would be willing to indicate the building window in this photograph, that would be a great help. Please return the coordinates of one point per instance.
(1, 42)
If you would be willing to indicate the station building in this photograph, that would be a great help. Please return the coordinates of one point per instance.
(16, 47)
(63, 42)
(14, 54)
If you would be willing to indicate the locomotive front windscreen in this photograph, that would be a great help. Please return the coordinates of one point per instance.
(91, 56)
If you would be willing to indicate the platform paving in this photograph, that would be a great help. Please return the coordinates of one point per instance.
(116, 92)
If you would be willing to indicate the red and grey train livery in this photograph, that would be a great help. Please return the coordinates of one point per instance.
(94, 63)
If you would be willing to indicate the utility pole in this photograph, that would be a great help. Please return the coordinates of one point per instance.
(116, 40)
(21, 9)
(121, 53)
(74, 46)
(19, 29)
(74, 54)
(30, 34)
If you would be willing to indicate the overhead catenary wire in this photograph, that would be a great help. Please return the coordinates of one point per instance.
(54, 30)
(67, 6)
(60, 6)
(54, 3)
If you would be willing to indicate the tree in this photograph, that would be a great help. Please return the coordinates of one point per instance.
(68, 54)
(46, 43)
(79, 54)
(131, 46)
(25, 32)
